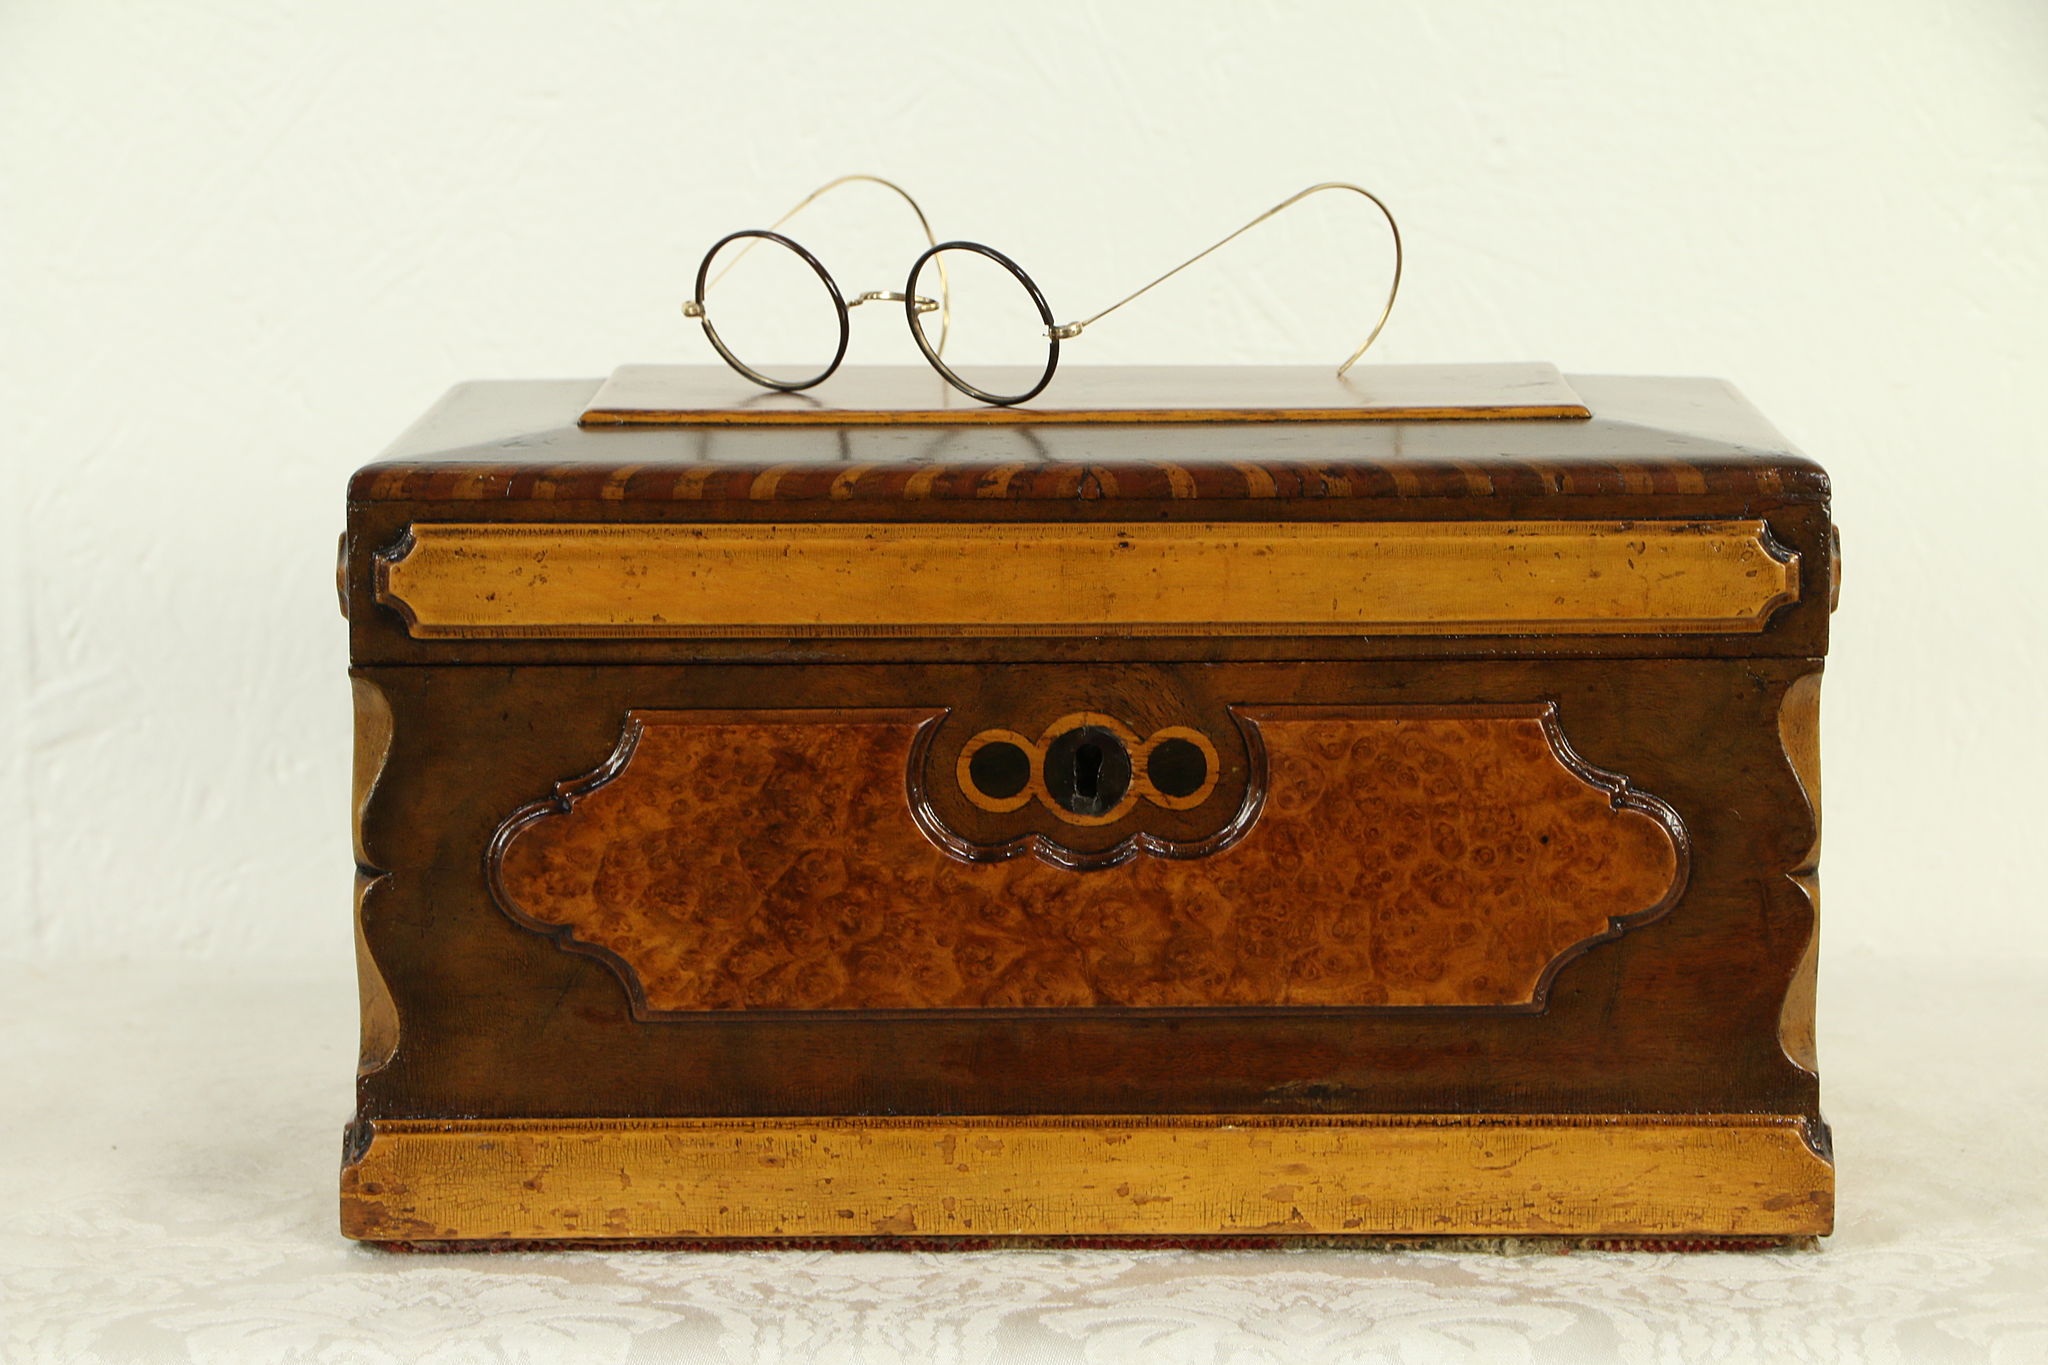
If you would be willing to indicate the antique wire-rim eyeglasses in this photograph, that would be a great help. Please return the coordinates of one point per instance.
(916, 304)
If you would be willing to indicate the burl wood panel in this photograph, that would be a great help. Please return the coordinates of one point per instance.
(1402, 857)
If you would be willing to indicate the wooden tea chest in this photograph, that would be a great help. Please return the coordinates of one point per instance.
(962, 829)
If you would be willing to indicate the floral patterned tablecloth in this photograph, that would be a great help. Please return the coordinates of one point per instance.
(169, 1141)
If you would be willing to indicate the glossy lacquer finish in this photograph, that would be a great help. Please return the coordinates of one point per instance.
(755, 861)
(679, 901)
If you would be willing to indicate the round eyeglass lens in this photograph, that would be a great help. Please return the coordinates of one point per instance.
(994, 344)
(771, 311)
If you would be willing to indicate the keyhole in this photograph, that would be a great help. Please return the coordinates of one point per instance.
(1088, 772)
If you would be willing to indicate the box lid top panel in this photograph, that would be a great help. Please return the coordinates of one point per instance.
(1650, 439)
(1673, 522)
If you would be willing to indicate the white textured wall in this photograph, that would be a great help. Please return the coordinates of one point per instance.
(242, 244)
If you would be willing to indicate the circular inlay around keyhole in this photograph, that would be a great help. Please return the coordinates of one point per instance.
(1000, 769)
(1176, 767)
(1087, 770)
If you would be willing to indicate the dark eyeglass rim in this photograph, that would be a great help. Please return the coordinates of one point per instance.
(831, 288)
(1052, 354)
(946, 372)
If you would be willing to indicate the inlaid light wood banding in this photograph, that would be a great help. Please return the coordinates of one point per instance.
(915, 395)
(1587, 1175)
(515, 580)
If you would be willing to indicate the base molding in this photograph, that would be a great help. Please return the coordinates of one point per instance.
(1112, 1176)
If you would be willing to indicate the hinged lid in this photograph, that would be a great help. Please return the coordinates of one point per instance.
(1674, 521)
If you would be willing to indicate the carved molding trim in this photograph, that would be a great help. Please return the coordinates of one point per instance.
(1392, 858)
(1799, 732)
(506, 580)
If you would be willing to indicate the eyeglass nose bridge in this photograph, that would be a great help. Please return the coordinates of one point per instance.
(917, 301)
(694, 309)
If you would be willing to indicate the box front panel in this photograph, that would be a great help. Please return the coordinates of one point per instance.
(1559, 887)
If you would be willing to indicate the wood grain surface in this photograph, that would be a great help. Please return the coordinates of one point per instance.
(476, 1025)
(915, 395)
(1590, 1175)
(740, 861)
(1682, 1015)
(1649, 439)
(373, 735)
(467, 579)
(1799, 731)
(1656, 450)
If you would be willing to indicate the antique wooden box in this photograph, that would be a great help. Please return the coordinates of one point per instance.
(967, 828)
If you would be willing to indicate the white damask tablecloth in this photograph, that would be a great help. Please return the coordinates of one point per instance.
(169, 1143)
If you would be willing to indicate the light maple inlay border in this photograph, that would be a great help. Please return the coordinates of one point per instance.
(1699, 1175)
(914, 395)
(798, 580)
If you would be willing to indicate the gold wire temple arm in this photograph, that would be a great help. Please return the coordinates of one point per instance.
(1067, 331)
(694, 309)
